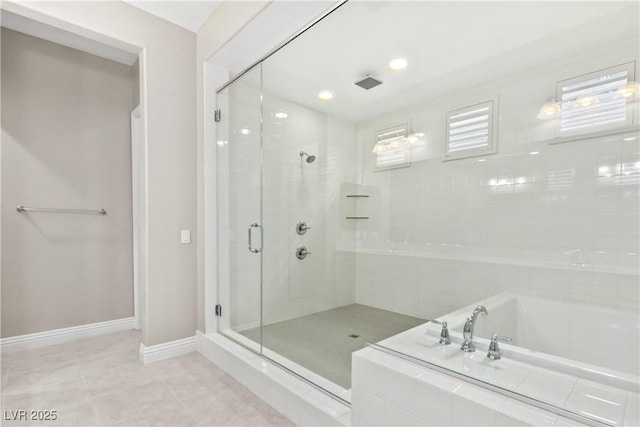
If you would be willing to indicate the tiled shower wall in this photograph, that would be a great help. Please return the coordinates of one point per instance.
(538, 217)
(294, 190)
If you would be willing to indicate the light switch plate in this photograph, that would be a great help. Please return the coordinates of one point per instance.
(185, 236)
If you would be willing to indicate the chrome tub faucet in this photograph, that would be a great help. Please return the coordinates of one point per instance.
(469, 326)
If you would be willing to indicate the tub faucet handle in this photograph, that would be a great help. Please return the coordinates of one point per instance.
(444, 333)
(494, 349)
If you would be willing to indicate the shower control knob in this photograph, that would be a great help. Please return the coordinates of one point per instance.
(302, 227)
(302, 252)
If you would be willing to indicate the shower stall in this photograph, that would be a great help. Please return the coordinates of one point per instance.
(289, 204)
(398, 162)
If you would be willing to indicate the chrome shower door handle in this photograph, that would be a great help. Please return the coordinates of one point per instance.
(252, 226)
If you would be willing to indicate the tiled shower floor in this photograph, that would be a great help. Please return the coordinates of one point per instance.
(321, 342)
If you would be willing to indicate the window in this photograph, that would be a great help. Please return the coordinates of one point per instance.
(592, 102)
(392, 148)
(471, 131)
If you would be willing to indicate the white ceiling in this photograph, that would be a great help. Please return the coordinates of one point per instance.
(450, 46)
(268, 30)
(186, 13)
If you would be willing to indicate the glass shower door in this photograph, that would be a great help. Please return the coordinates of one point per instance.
(304, 277)
(239, 210)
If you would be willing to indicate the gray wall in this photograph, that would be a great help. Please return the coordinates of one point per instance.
(168, 99)
(65, 144)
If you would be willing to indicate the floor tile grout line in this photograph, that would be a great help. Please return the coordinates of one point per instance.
(157, 377)
(86, 386)
(4, 389)
(13, 371)
(5, 384)
(177, 398)
(45, 385)
(117, 391)
(64, 405)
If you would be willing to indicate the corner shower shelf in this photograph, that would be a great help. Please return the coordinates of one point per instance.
(357, 217)
(357, 195)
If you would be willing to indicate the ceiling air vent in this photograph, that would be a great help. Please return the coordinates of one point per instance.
(368, 82)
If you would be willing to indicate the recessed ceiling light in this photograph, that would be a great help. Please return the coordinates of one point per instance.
(245, 131)
(398, 64)
(482, 160)
(325, 95)
(630, 138)
(281, 115)
(534, 152)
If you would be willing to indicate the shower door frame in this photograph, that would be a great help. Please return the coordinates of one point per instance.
(222, 308)
(213, 73)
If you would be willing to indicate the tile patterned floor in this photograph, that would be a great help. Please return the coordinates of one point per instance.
(100, 382)
(321, 343)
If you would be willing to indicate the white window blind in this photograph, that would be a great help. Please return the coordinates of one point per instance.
(589, 103)
(392, 148)
(471, 131)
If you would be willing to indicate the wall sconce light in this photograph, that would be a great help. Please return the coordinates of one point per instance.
(586, 100)
(397, 138)
(631, 89)
(549, 110)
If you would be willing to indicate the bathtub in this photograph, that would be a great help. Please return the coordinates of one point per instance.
(584, 341)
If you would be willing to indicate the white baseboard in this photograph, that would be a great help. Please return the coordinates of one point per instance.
(167, 350)
(60, 336)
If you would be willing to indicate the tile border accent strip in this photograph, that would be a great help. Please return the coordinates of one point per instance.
(60, 336)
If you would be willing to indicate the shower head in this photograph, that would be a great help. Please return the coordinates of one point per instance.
(310, 157)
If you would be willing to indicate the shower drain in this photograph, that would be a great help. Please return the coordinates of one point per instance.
(353, 336)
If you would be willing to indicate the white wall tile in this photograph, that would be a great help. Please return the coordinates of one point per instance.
(567, 422)
(371, 410)
(547, 386)
(554, 204)
(434, 397)
(607, 402)
(473, 406)
(515, 413)
(632, 412)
